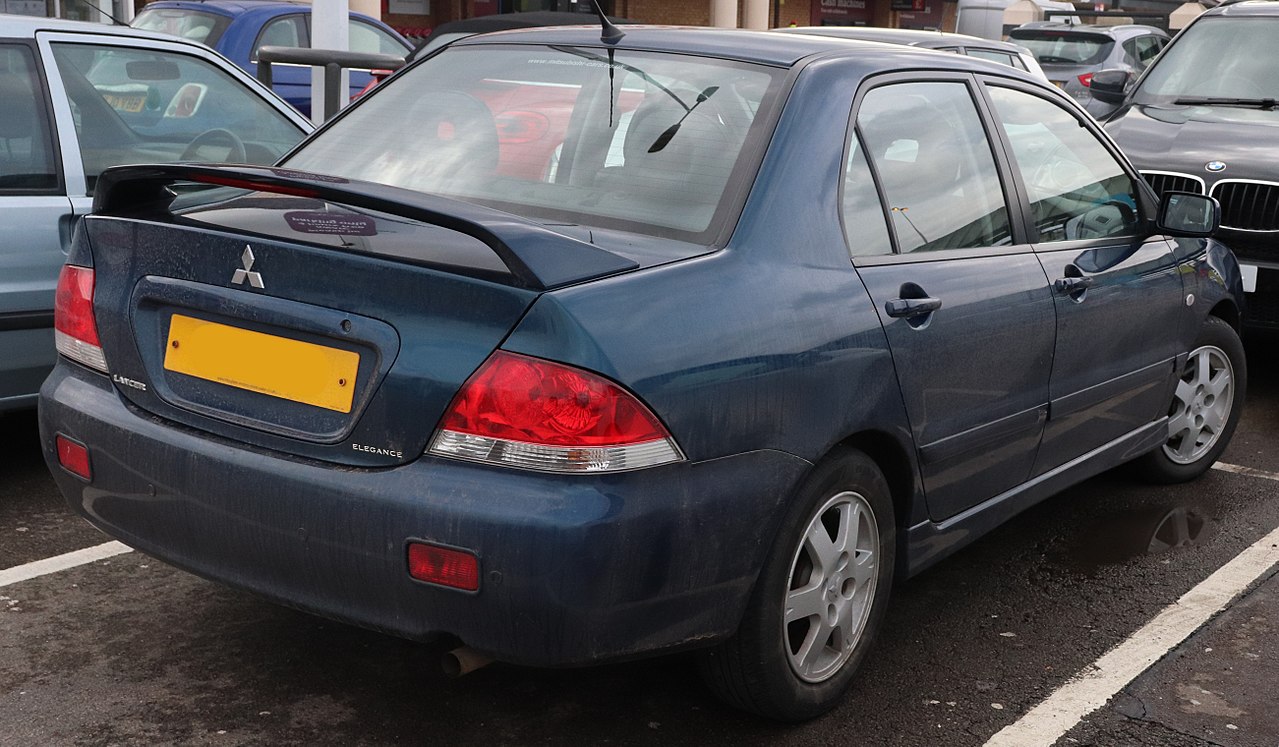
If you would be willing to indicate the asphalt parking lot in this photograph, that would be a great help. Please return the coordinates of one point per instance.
(127, 650)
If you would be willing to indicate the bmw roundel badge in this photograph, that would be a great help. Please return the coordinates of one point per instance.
(1215, 166)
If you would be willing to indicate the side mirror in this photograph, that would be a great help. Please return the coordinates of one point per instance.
(1110, 86)
(1189, 215)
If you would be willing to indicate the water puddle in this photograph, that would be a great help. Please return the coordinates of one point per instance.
(1148, 531)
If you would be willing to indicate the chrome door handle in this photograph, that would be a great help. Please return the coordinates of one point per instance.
(1072, 284)
(911, 307)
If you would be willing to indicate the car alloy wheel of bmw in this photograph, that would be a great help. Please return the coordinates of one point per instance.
(832, 584)
(1201, 405)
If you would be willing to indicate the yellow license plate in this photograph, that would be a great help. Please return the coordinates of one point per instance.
(125, 103)
(289, 369)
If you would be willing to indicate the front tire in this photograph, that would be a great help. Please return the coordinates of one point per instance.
(1205, 407)
(819, 600)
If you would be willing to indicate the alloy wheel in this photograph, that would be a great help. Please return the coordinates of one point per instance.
(1201, 405)
(832, 584)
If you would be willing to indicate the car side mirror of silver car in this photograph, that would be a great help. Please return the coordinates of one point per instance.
(1110, 86)
(1189, 215)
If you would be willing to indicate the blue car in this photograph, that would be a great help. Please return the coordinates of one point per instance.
(602, 348)
(238, 28)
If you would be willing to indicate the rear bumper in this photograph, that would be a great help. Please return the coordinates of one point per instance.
(574, 570)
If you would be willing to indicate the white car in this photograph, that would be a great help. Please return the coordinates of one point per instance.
(78, 98)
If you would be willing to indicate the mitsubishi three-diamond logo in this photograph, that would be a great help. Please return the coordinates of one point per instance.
(254, 278)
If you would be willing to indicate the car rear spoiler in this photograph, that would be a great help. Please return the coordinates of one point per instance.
(537, 257)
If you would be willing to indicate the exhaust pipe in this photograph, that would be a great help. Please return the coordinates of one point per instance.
(463, 660)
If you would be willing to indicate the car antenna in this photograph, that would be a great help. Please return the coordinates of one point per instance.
(609, 34)
(114, 20)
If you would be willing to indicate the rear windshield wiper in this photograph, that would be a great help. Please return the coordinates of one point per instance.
(1266, 104)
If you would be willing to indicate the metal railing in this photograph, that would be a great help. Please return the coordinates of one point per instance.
(333, 62)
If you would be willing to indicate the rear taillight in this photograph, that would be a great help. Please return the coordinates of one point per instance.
(1086, 80)
(531, 413)
(75, 331)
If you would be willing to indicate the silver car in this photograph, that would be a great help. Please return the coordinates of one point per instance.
(1005, 53)
(1070, 54)
(78, 98)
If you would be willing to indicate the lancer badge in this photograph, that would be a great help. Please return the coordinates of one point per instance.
(254, 278)
(1215, 166)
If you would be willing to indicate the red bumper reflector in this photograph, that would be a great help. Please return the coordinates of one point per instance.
(456, 569)
(74, 457)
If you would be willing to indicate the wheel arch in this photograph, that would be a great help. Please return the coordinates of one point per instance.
(1228, 312)
(900, 472)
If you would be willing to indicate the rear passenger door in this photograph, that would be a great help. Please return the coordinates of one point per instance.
(35, 214)
(963, 299)
(1114, 286)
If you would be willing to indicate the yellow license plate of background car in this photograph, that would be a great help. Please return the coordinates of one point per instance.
(289, 369)
(131, 104)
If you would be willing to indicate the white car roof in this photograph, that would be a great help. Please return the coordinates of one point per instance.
(26, 27)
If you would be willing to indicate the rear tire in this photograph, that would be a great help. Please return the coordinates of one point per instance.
(819, 600)
(1205, 407)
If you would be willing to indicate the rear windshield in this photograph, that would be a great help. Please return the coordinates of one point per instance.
(1195, 65)
(195, 25)
(1064, 48)
(639, 141)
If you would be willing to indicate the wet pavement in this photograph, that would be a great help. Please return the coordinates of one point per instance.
(1219, 687)
(131, 651)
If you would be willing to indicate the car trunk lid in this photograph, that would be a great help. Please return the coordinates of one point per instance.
(306, 314)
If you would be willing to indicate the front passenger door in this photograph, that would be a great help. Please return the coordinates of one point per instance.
(1115, 351)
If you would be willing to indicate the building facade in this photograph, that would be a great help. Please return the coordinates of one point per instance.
(924, 14)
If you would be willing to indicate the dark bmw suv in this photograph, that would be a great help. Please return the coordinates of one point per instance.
(1203, 119)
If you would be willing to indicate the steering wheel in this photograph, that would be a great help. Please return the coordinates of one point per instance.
(1106, 219)
(216, 137)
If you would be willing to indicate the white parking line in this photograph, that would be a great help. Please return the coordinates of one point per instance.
(1090, 689)
(57, 563)
(1249, 471)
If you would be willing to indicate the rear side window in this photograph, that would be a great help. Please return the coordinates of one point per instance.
(132, 105)
(635, 140)
(1002, 58)
(1077, 188)
(26, 152)
(863, 213)
(369, 39)
(287, 31)
(936, 167)
(1145, 50)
